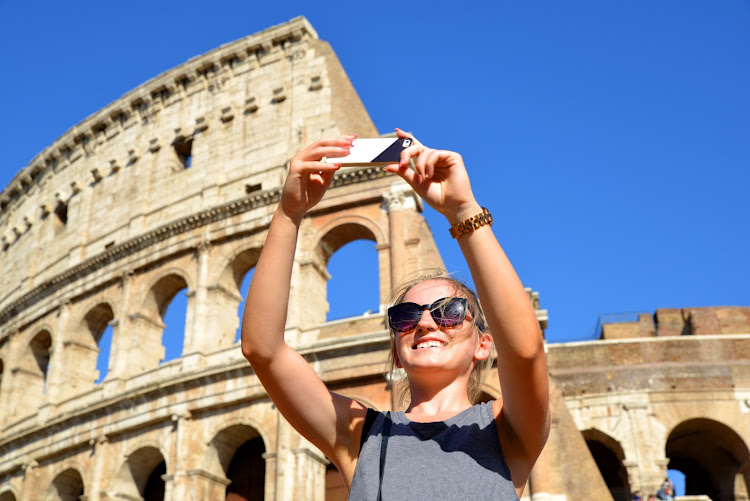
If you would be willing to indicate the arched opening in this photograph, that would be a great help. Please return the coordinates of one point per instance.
(353, 288)
(710, 455)
(237, 452)
(67, 486)
(89, 355)
(244, 286)
(96, 322)
(154, 490)
(105, 350)
(609, 456)
(173, 336)
(40, 349)
(7, 496)
(247, 472)
(335, 486)
(227, 298)
(160, 325)
(29, 383)
(142, 476)
(349, 293)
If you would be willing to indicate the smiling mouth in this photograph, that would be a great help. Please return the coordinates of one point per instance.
(429, 344)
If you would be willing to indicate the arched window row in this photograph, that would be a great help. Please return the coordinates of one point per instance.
(174, 315)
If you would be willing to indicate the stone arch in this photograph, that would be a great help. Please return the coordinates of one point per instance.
(82, 348)
(712, 456)
(8, 495)
(313, 275)
(233, 421)
(67, 486)
(30, 375)
(140, 476)
(609, 457)
(225, 296)
(237, 454)
(148, 321)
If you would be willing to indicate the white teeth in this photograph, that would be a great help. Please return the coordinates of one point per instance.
(430, 344)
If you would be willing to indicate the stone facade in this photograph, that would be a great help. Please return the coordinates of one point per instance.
(172, 188)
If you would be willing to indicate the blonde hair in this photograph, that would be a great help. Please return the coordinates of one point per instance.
(400, 386)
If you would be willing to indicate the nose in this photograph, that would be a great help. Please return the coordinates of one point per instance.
(426, 322)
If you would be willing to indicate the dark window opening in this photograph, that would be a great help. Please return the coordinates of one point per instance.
(252, 188)
(61, 211)
(184, 150)
(247, 472)
(154, 490)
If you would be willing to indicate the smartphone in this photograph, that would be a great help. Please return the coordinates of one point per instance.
(375, 151)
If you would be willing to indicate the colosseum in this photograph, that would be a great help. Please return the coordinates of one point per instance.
(169, 190)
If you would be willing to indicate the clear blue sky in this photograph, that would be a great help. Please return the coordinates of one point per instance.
(611, 140)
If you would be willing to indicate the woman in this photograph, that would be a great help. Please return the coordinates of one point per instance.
(443, 446)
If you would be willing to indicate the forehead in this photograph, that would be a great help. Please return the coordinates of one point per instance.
(430, 290)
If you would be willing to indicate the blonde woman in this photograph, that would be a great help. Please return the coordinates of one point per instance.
(444, 446)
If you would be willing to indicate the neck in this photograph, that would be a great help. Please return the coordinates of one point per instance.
(437, 402)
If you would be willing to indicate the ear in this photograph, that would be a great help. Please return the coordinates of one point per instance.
(484, 348)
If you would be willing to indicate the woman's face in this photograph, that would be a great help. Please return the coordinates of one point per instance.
(429, 347)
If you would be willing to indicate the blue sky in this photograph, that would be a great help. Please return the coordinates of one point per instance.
(611, 140)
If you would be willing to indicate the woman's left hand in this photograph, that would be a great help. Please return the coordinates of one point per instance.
(440, 178)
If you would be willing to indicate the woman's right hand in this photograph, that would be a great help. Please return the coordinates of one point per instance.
(309, 177)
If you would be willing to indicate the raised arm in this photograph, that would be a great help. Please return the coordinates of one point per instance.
(440, 178)
(326, 419)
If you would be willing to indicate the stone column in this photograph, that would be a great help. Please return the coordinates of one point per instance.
(177, 485)
(56, 371)
(271, 475)
(30, 484)
(650, 466)
(394, 204)
(310, 469)
(100, 446)
(197, 332)
(118, 354)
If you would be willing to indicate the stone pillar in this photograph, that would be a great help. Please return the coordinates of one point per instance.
(197, 332)
(310, 469)
(100, 446)
(394, 203)
(30, 485)
(179, 459)
(57, 370)
(742, 482)
(118, 354)
(215, 320)
(271, 475)
(648, 467)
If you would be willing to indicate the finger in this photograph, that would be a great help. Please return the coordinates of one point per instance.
(403, 134)
(327, 147)
(405, 172)
(433, 157)
(307, 167)
(422, 159)
(408, 153)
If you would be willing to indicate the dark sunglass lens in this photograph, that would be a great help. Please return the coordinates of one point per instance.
(403, 317)
(448, 312)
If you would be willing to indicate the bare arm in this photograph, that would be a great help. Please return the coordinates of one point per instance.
(328, 420)
(441, 180)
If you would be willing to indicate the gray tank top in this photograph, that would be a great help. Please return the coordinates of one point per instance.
(459, 458)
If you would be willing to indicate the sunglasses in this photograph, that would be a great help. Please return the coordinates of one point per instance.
(446, 312)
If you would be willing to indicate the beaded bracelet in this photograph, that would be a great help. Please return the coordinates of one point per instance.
(472, 223)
